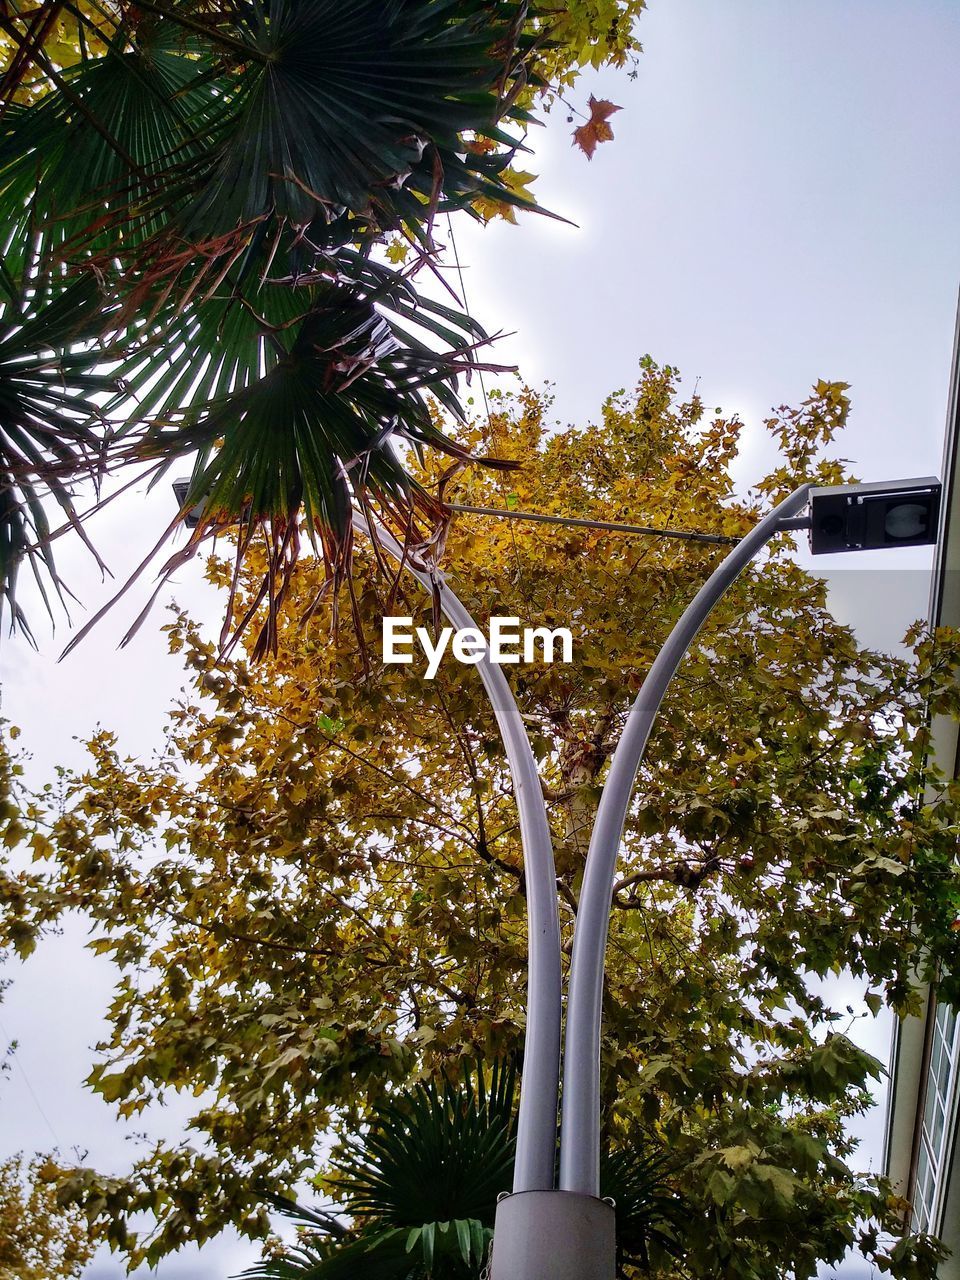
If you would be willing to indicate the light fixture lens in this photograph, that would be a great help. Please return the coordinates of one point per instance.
(906, 520)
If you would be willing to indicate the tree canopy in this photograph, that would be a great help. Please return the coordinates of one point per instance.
(219, 215)
(40, 1239)
(314, 893)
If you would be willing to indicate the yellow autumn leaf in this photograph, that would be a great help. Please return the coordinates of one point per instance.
(397, 251)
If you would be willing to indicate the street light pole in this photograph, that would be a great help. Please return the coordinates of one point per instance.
(534, 1169)
(570, 1234)
(580, 1126)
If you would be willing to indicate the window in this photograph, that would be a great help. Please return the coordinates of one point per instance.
(938, 1115)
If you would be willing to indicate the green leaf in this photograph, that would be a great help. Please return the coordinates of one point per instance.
(329, 725)
(428, 1234)
(738, 1158)
(464, 1238)
(782, 1183)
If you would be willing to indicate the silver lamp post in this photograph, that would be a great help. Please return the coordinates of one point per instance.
(537, 1119)
(545, 1231)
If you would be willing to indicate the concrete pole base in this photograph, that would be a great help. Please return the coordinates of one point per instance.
(554, 1235)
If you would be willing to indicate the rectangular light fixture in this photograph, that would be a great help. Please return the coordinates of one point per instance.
(193, 517)
(866, 517)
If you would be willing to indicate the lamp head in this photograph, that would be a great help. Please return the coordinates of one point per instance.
(866, 517)
(193, 517)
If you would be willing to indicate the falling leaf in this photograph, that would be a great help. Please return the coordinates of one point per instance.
(596, 129)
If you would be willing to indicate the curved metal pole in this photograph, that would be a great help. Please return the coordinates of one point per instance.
(580, 1123)
(539, 1086)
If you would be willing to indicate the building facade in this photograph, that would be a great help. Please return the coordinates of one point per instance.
(922, 1139)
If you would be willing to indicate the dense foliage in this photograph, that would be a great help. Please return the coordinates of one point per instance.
(40, 1239)
(420, 1184)
(420, 1187)
(224, 205)
(314, 893)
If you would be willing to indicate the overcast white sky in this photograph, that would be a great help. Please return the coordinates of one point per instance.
(781, 203)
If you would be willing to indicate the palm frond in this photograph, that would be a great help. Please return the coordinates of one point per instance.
(437, 1154)
(322, 430)
(357, 107)
(373, 1255)
(173, 148)
(649, 1211)
(51, 426)
(306, 1217)
(80, 167)
(423, 1180)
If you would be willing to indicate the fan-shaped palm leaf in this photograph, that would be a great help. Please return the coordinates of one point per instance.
(424, 1180)
(80, 165)
(436, 1155)
(648, 1209)
(50, 382)
(191, 133)
(327, 1251)
(357, 107)
(321, 430)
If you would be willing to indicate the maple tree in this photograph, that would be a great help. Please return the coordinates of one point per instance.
(314, 893)
(40, 1239)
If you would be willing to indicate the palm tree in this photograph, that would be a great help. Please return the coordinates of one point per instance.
(421, 1186)
(204, 195)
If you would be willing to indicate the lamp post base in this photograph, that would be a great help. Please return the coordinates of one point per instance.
(554, 1235)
